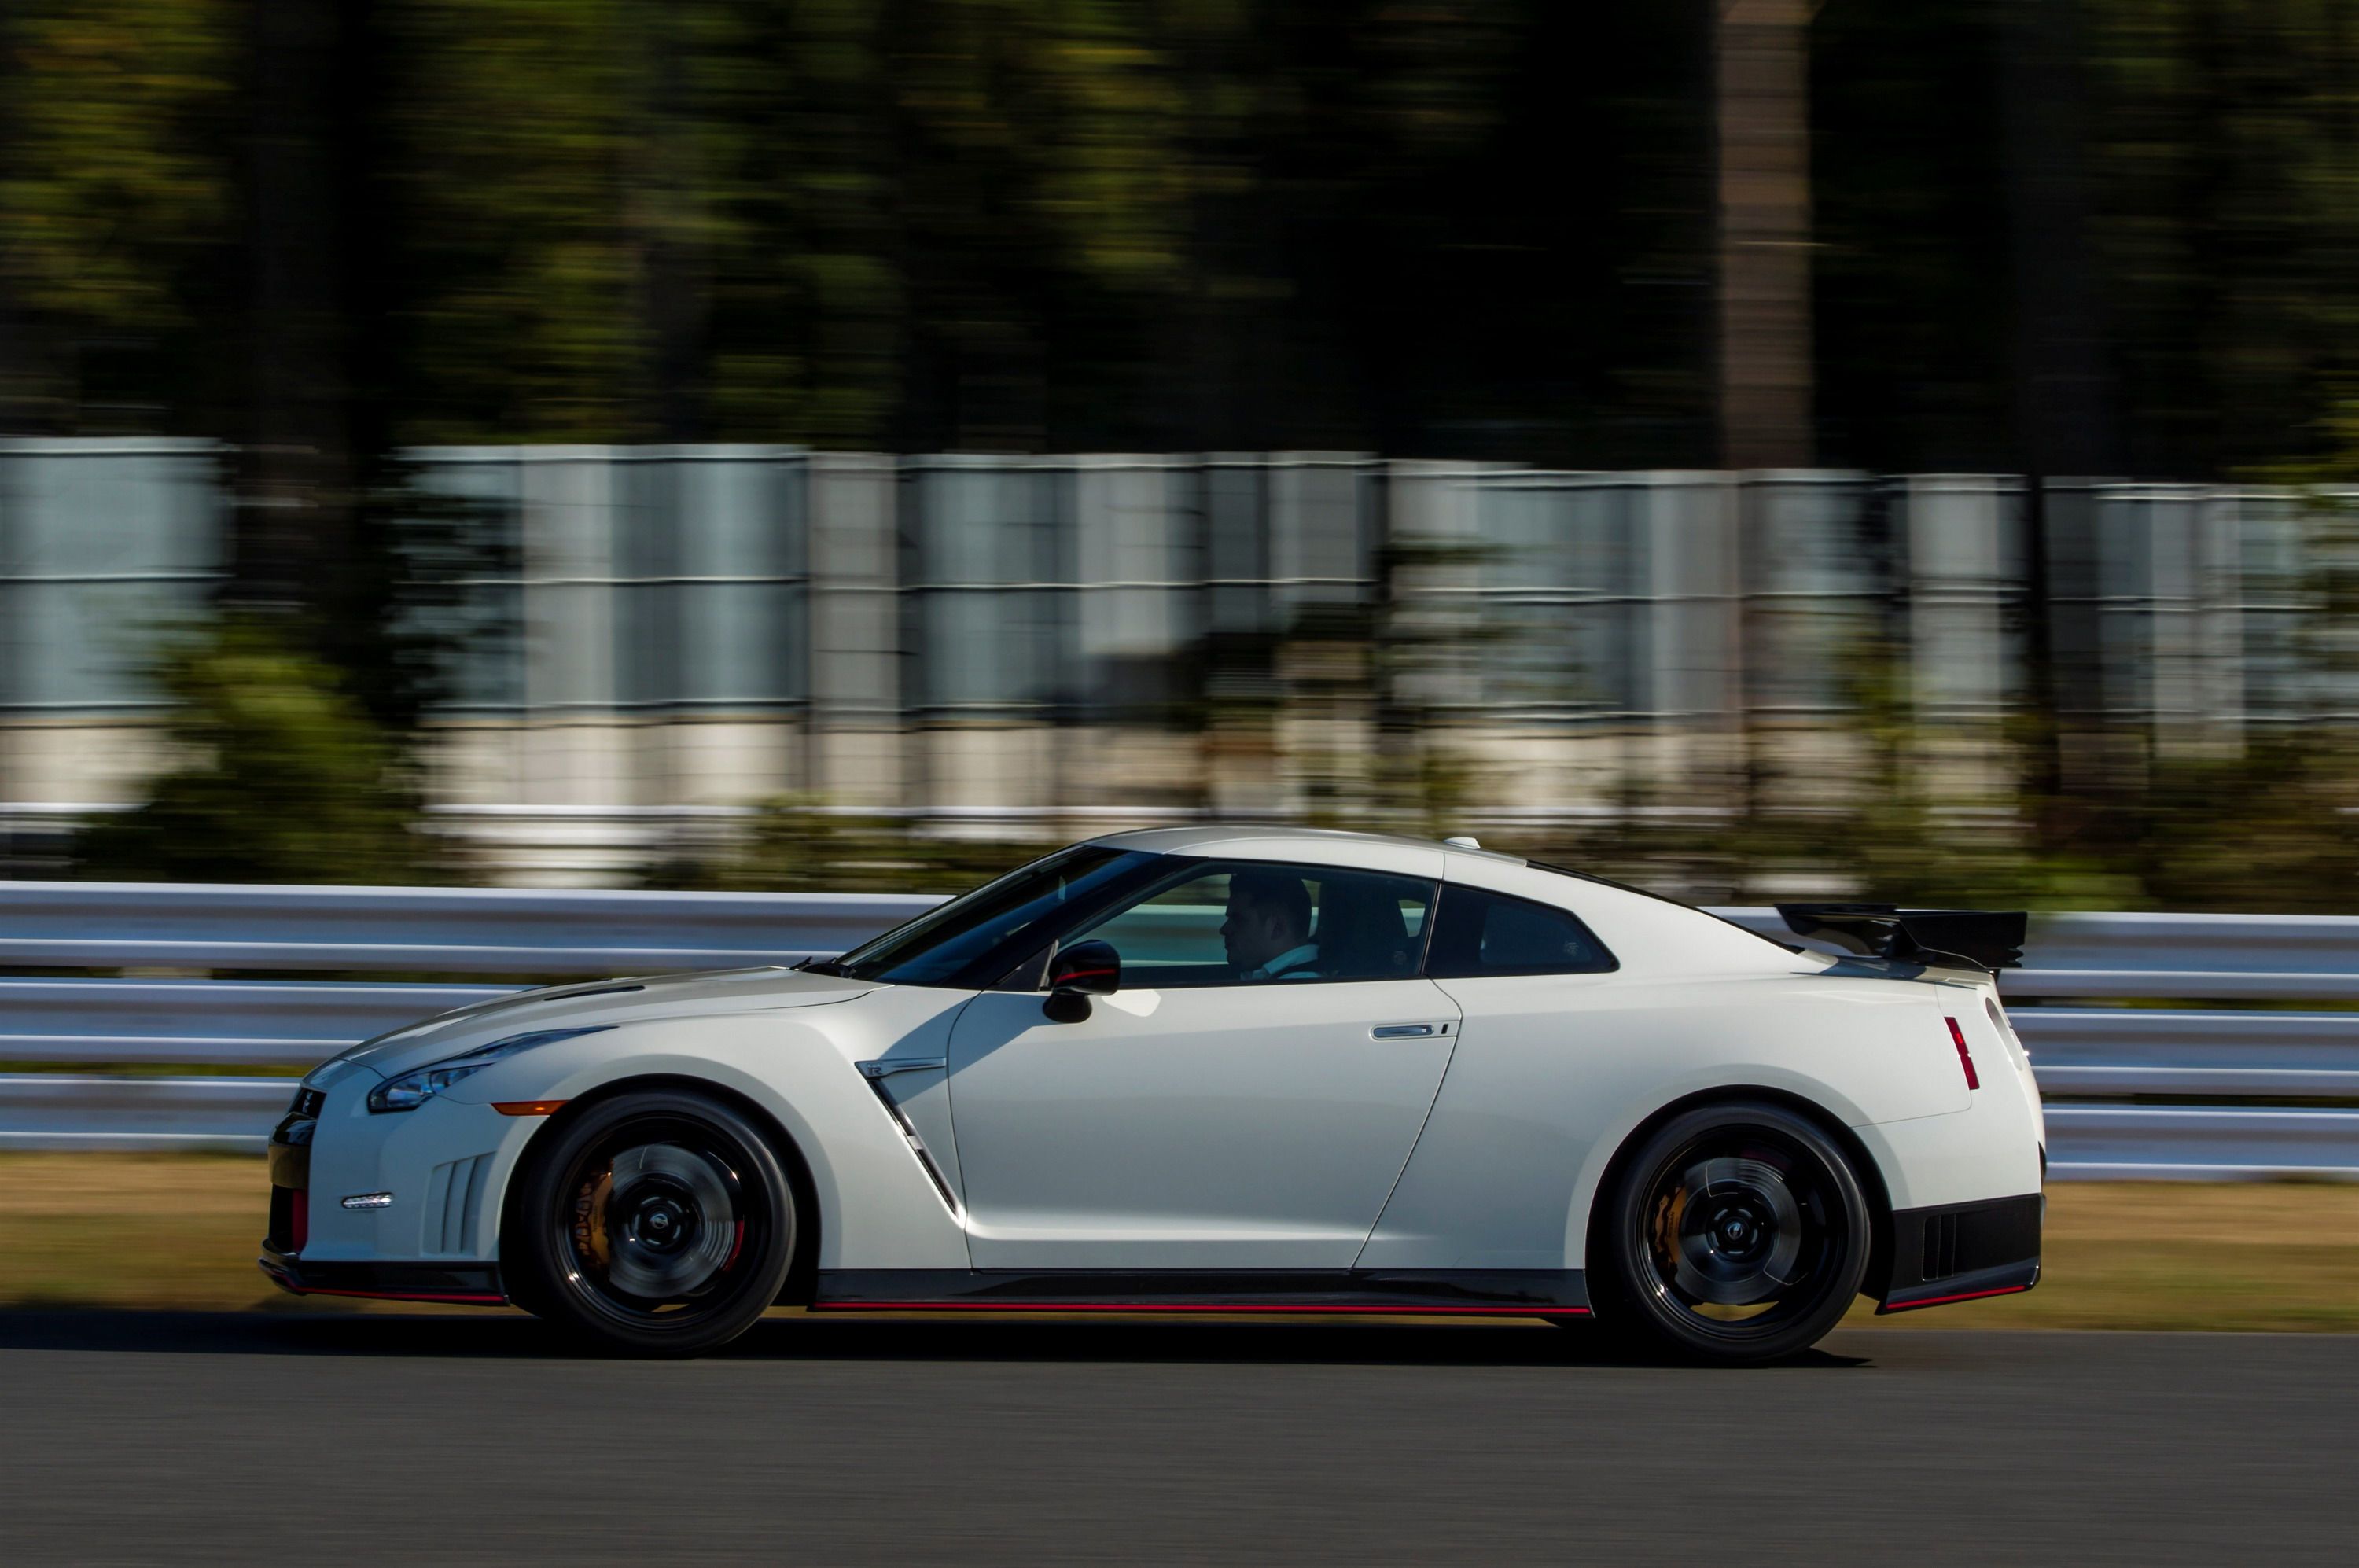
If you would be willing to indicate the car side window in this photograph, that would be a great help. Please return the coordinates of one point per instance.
(1249, 923)
(1480, 932)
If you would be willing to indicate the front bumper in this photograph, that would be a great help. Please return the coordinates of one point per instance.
(440, 1170)
(471, 1284)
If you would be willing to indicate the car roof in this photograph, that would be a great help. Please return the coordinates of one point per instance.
(1650, 933)
(1264, 840)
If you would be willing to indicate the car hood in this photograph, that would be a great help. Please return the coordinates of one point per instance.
(587, 1003)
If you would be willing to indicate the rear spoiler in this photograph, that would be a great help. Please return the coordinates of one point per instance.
(1987, 939)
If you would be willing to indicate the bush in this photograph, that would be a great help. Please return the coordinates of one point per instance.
(279, 778)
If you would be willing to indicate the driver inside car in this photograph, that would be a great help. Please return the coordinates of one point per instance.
(1267, 932)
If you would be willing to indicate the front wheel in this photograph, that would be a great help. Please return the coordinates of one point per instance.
(658, 1222)
(1736, 1234)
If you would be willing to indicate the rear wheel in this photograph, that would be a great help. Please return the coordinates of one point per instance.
(658, 1222)
(1736, 1234)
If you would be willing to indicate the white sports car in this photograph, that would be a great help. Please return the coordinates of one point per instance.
(1217, 1068)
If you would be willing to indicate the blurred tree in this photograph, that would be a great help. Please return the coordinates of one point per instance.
(281, 778)
(2228, 222)
(1762, 68)
(515, 123)
(115, 200)
(1911, 281)
(296, 432)
(2076, 237)
(1460, 229)
(1191, 224)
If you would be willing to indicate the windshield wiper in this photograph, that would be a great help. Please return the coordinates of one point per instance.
(824, 967)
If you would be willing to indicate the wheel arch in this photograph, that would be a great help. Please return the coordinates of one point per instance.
(1871, 1175)
(809, 1218)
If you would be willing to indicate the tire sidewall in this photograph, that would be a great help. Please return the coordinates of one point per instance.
(1636, 1302)
(533, 1250)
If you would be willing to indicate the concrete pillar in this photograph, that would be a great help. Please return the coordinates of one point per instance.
(856, 655)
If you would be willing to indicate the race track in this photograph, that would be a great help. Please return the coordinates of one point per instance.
(153, 1438)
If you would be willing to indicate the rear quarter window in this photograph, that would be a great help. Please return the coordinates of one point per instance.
(1478, 932)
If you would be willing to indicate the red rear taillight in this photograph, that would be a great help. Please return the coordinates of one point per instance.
(1965, 1057)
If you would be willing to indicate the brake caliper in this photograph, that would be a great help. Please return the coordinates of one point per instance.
(590, 1243)
(1669, 1210)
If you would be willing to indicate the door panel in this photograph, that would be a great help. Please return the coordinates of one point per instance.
(1246, 1126)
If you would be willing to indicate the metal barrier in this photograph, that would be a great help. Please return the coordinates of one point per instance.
(471, 930)
(234, 1023)
(2157, 1142)
(63, 1110)
(2085, 1055)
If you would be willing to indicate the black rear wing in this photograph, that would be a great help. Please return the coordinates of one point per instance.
(1988, 938)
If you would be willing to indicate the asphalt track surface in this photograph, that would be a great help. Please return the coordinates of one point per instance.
(163, 1438)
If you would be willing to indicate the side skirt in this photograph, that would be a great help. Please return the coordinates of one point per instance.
(1421, 1292)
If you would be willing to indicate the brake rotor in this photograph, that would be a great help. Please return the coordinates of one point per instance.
(1734, 1232)
(670, 1221)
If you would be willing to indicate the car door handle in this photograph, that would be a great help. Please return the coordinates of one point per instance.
(1407, 1032)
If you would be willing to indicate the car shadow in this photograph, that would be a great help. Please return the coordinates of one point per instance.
(787, 1337)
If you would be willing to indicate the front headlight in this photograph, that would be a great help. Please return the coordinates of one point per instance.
(414, 1088)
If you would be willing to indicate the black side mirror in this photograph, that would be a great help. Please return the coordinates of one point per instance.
(1076, 973)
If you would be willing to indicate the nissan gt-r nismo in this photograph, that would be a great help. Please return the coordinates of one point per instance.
(1212, 1069)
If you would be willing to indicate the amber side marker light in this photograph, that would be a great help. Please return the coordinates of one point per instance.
(1957, 1036)
(546, 1107)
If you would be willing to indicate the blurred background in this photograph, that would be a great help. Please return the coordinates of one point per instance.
(1753, 448)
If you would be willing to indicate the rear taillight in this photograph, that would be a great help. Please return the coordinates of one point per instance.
(1965, 1057)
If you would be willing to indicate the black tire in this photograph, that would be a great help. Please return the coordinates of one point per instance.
(658, 1222)
(1738, 1233)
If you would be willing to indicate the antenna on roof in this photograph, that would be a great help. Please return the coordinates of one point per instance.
(1465, 841)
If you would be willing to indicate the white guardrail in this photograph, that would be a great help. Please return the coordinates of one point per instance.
(2096, 1002)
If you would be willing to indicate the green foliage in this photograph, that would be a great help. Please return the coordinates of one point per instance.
(1185, 225)
(518, 120)
(115, 200)
(966, 222)
(279, 778)
(112, 178)
(2227, 219)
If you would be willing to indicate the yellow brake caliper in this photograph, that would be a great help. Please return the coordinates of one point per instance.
(590, 1243)
(1668, 1212)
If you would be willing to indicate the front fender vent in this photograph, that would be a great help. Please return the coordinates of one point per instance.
(454, 1193)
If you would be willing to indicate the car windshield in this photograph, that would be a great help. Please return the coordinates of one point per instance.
(933, 949)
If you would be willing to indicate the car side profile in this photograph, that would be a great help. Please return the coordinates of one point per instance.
(1232, 1069)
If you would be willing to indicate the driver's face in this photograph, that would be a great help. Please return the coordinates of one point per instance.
(1251, 934)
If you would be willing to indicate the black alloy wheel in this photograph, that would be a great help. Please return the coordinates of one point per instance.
(658, 1222)
(1738, 1233)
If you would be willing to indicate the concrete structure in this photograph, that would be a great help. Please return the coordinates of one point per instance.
(676, 632)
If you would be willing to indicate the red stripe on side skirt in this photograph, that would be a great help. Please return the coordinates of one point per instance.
(1240, 1309)
(1968, 1296)
(402, 1296)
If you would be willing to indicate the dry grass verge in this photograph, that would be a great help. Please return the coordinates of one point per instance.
(166, 1230)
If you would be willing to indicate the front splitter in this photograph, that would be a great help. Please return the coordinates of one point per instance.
(460, 1284)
